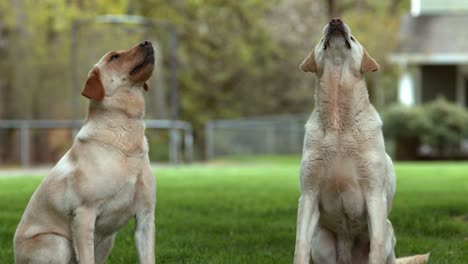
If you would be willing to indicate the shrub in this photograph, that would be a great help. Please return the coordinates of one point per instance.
(449, 122)
(439, 124)
(405, 122)
(405, 125)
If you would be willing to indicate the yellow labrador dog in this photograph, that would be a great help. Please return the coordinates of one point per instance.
(347, 180)
(104, 179)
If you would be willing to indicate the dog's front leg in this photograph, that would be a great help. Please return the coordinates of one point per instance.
(144, 236)
(83, 234)
(307, 218)
(377, 219)
(144, 226)
(308, 212)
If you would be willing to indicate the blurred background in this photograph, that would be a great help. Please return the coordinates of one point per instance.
(228, 97)
(227, 81)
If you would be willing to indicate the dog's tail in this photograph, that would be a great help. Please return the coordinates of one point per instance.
(416, 259)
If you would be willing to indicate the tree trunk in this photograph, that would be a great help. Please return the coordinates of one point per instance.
(393, 8)
(6, 96)
(332, 8)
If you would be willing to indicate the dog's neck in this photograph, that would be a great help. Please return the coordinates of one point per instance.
(115, 129)
(339, 98)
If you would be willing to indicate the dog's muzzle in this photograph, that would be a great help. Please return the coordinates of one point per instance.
(147, 49)
(336, 28)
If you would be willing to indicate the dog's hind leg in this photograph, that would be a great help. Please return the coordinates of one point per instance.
(44, 249)
(344, 247)
(324, 247)
(102, 248)
(390, 244)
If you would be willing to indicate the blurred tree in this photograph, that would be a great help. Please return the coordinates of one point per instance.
(332, 8)
(232, 65)
(375, 24)
(440, 124)
(34, 36)
(5, 79)
(449, 126)
(406, 126)
(237, 58)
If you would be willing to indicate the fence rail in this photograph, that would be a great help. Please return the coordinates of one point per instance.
(174, 126)
(267, 135)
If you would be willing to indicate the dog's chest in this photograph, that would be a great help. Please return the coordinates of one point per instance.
(342, 207)
(115, 212)
(343, 210)
(337, 158)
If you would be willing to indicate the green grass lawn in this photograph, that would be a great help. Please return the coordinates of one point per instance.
(243, 210)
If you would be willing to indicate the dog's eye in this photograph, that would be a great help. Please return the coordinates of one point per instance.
(113, 57)
(352, 38)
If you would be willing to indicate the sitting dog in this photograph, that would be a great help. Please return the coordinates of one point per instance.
(347, 180)
(104, 179)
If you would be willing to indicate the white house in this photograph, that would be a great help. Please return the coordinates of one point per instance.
(433, 52)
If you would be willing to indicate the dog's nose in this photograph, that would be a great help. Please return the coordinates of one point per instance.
(335, 21)
(145, 43)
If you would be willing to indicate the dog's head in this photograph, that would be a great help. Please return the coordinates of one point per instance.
(336, 49)
(117, 70)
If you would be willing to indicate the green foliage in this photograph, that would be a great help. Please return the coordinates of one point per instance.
(449, 122)
(232, 212)
(405, 122)
(230, 61)
(435, 123)
(38, 54)
(236, 58)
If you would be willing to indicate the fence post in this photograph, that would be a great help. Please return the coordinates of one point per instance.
(174, 139)
(209, 141)
(270, 142)
(295, 142)
(188, 142)
(25, 145)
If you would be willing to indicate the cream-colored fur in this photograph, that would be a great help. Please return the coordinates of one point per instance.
(347, 180)
(104, 179)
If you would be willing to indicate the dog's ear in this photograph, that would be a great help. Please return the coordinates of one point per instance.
(368, 64)
(93, 88)
(308, 65)
(146, 87)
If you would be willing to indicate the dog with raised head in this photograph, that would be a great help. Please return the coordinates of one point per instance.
(347, 180)
(104, 179)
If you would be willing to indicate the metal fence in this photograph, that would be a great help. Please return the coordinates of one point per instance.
(47, 83)
(267, 135)
(182, 142)
(284, 135)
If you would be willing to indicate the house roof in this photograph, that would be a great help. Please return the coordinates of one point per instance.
(435, 39)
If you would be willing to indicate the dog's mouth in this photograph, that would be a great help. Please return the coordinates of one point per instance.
(336, 29)
(147, 60)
